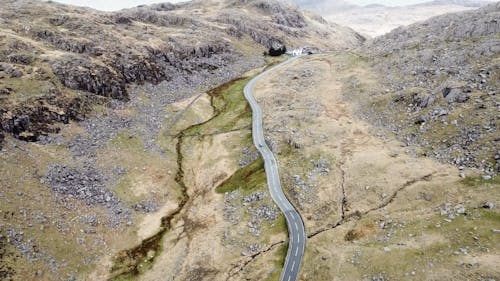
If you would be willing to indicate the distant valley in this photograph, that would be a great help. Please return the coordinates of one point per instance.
(374, 20)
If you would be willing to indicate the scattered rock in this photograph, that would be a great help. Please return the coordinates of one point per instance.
(426, 196)
(420, 120)
(59, 20)
(146, 206)
(230, 208)
(439, 112)
(265, 212)
(424, 100)
(248, 155)
(254, 248)
(321, 166)
(254, 197)
(488, 205)
(455, 95)
(30, 250)
(87, 184)
(460, 209)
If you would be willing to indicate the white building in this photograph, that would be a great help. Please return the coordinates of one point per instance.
(296, 52)
(303, 51)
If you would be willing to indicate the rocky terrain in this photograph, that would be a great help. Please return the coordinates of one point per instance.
(363, 141)
(96, 113)
(375, 207)
(127, 152)
(56, 58)
(441, 87)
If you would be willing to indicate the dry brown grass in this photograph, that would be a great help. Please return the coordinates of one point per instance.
(392, 196)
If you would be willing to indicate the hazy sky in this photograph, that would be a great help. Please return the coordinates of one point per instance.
(111, 5)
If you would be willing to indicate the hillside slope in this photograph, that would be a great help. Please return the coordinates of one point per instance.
(56, 58)
(442, 79)
(358, 136)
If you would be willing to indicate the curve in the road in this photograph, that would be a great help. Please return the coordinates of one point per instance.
(296, 231)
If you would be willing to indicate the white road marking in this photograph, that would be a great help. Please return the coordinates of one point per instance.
(273, 180)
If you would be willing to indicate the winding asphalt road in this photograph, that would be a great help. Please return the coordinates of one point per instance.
(296, 231)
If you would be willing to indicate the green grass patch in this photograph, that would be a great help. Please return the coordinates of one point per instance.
(231, 109)
(281, 253)
(355, 59)
(248, 178)
(279, 261)
(142, 166)
(477, 223)
(272, 61)
(126, 141)
(124, 190)
(472, 231)
(278, 226)
(479, 181)
(26, 88)
(443, 132)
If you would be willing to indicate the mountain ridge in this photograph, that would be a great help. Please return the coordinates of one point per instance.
(72, 50)
(375, 20)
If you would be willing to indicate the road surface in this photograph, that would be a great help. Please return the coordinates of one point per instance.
(296, 231)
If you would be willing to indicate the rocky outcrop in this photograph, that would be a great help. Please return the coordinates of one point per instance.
(29, 122)
(81, 74)
(453, 95)
(281, 14)
(148, 15)
(154, 65)
(12, 72)
(240, 27)
(59, 20)
(65, 43)
(163, 7)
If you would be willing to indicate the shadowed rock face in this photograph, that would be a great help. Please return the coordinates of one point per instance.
(80, 74)
(65, 56)
(30, 121)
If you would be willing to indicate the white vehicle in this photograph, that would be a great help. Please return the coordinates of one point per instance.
(261, 145)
